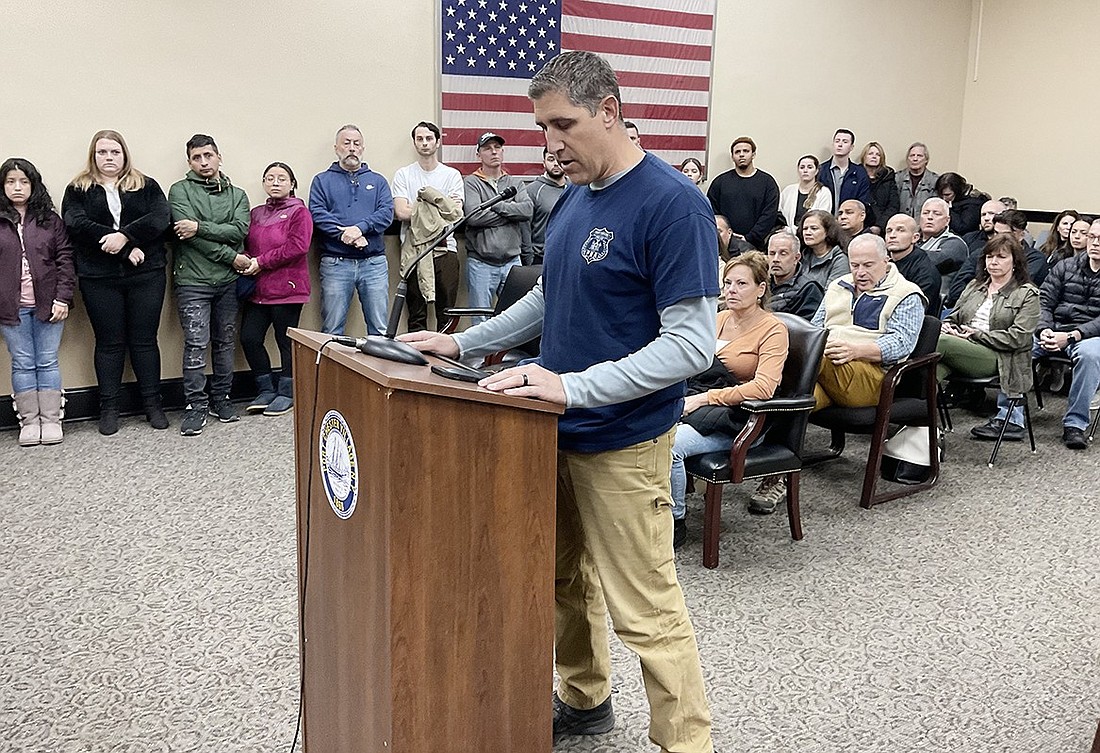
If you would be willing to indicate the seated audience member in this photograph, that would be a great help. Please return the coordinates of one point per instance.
(210, 222)
(1069, 324)
(1054, 243)
(874, 316)
(493, 237)
(989, 333)
(946, 250)
(808, 193)
(746, 196)
(278, 243)
(975, 243)
(1015, 222)
(352, 206)
(36, 294)
(1078, 236)
(851, 218)
(749, 355)
(917, 184)
(902, 235)
(840, 175)
(822, 258)
(885, 201)
(117, 219)
(965, 202)
(694, 171)
(792, 291)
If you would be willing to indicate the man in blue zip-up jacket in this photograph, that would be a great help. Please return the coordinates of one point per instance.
(351, 206)
(840, 175)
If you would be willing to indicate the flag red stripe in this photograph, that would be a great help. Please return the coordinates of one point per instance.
(669, 81)
(607, 12)
(672, 142)
(639, 47)
(512, 103)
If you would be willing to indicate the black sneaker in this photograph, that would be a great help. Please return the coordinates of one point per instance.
(571, 721)
(990, 430)
(1074, 438)
(193, 421)
(224, 410)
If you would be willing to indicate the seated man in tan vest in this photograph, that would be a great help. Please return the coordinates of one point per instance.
(874, 316)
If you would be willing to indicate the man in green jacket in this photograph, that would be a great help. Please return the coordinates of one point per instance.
(210, 218)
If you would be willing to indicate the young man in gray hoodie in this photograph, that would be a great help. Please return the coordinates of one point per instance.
(544, 191)
(493, 237)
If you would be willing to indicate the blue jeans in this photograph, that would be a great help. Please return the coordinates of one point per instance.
(341, 278)
(484, 281)
(33, 346)
(688, 443)
(208, 315)
(1086, 378)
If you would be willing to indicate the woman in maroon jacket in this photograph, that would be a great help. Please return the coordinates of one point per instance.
(36, 292)
(278, 242)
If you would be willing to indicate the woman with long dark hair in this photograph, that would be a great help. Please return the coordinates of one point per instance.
(694, 171)
(278, 243)
(117, 218)
(823, 260)
(1055, 245)
(36, 293)
(805, 195)
(964, 200)
(990, 330)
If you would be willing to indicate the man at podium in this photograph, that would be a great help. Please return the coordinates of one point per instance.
(626, 312)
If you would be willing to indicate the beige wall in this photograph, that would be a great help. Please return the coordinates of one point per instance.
(273, 81)
(790, 72)
(1029, 125)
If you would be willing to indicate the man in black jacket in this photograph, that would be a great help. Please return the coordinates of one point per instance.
(792, 291)
(902, 234)
(1069, 325)
(975, 242)
(747, 197)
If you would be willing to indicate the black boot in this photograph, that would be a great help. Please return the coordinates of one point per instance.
(154, 413)
(108, 417)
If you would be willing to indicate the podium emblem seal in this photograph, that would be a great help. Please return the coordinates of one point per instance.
(339, 465)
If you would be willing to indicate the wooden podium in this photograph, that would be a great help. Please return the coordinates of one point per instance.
(426, 596)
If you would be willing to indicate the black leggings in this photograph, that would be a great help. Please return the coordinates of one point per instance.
(255, 321)
(125, 315)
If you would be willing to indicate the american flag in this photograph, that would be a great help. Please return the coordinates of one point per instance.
(490, 49)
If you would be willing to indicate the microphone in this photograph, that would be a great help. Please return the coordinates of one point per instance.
(385, 346)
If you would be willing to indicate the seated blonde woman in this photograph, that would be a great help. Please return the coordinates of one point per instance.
(749, 355)
(990, 331)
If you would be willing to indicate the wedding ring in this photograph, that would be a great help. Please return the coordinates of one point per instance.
(525, 382)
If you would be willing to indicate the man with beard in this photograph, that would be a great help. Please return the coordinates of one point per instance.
(902, 235)
(748, 198)
(792, 291)
(851, 217)
(351, 207)
(428, 171)
(544, 192)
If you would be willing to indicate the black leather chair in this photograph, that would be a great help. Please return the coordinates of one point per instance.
(783, 420)
(908, 398)
(518, 283)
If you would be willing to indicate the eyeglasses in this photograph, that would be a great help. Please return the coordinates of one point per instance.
(278, 179)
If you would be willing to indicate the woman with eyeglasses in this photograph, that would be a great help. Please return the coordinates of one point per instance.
(278, 243)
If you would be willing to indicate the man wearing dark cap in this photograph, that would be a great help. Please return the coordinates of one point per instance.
(493, 237)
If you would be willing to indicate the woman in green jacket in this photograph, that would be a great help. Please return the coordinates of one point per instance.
(990, 331)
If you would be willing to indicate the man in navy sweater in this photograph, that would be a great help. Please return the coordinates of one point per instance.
(841, 176)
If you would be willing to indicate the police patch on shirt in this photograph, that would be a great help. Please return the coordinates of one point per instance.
(339, 465)
(597, 245)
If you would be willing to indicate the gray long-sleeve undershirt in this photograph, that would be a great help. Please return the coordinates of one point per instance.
(684, 347)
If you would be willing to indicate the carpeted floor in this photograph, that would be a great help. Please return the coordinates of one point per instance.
(149, 603)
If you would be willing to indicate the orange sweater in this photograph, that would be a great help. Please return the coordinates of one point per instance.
(755, 358)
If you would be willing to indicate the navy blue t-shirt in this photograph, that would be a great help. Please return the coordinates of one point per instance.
(614, 259)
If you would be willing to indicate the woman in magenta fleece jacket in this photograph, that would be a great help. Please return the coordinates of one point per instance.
(278, 242)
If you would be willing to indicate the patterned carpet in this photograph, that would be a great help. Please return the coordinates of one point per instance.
(149, 603)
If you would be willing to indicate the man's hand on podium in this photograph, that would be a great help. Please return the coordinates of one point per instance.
(530, 380)
(431, 342)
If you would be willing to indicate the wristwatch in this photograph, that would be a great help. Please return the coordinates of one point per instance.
(1071, 337)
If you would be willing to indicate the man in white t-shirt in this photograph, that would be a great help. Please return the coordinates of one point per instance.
(407, 182)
